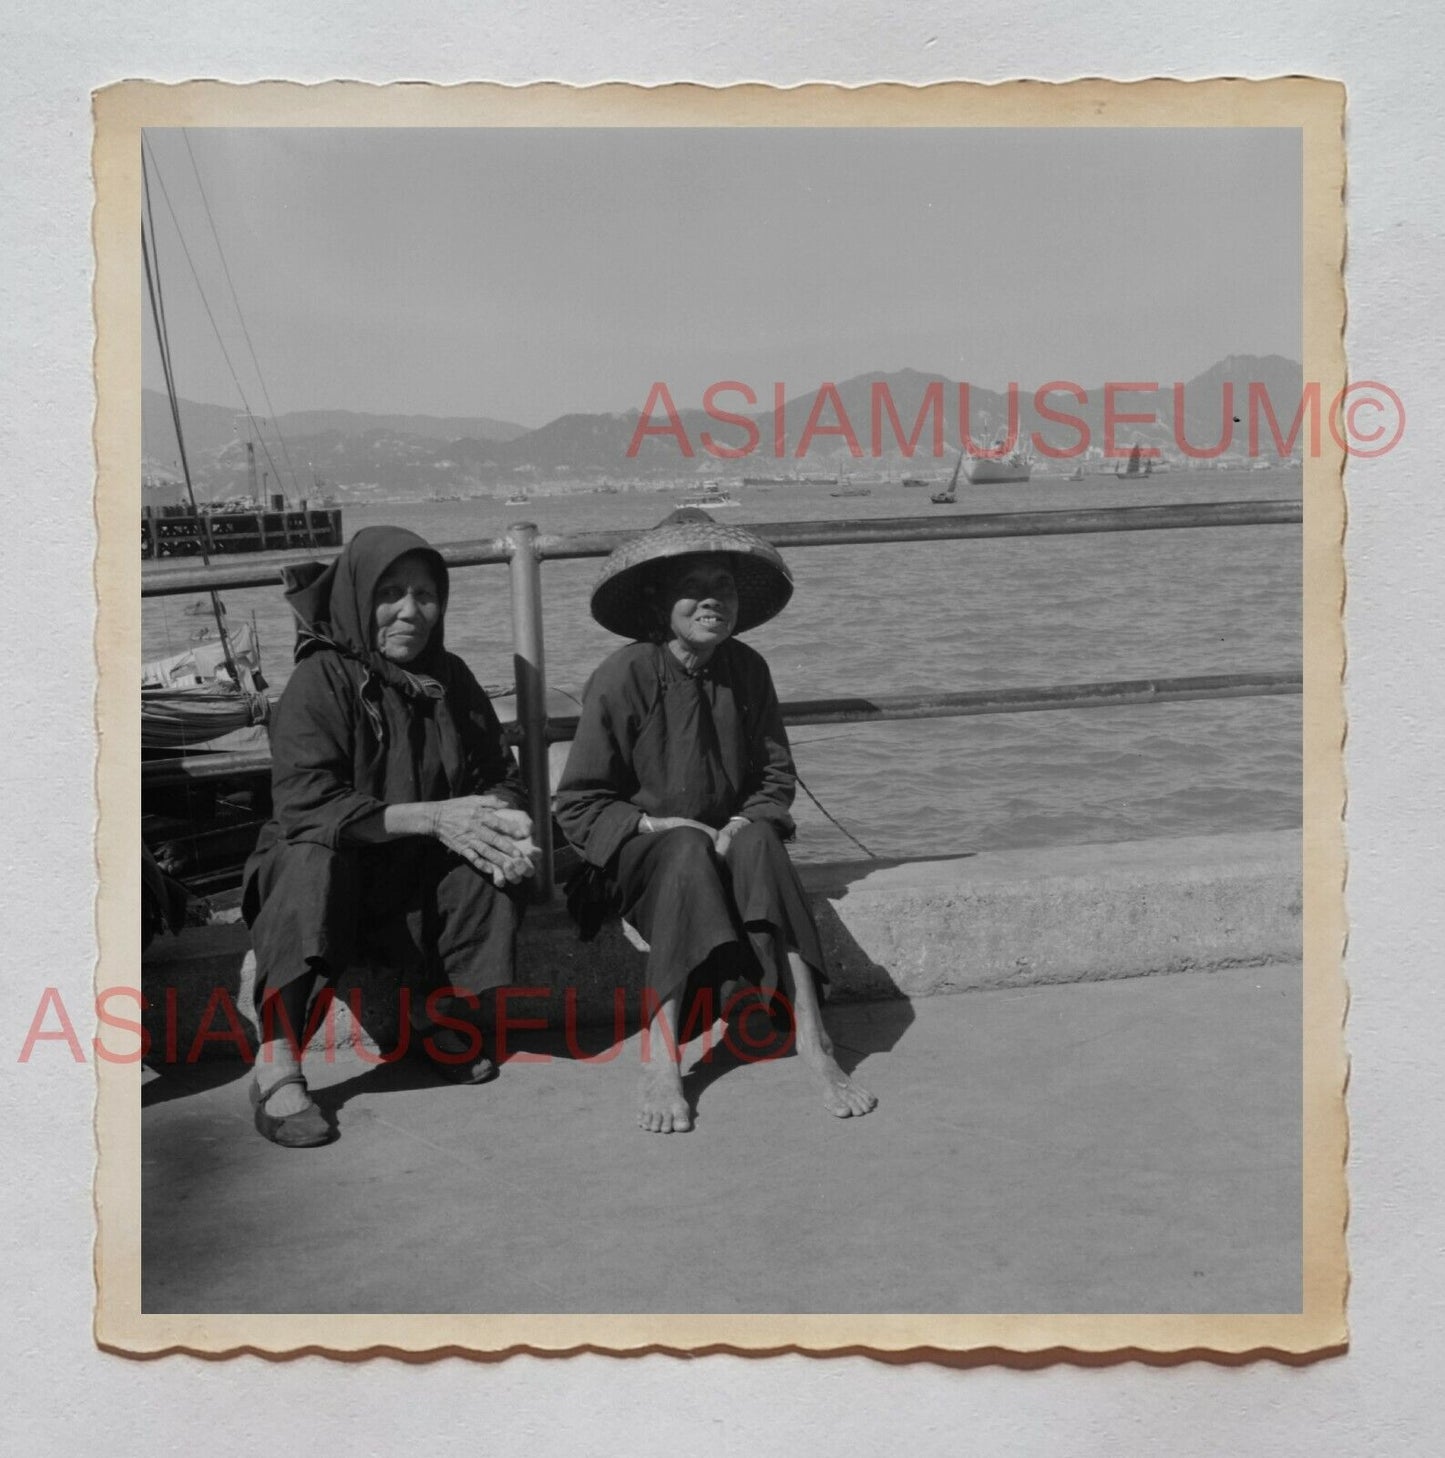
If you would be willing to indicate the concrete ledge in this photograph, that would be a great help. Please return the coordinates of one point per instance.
(890, 929)
(1067, 914)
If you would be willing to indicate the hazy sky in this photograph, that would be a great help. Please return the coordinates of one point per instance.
(523, 274)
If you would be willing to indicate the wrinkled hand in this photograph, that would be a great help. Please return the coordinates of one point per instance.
(495, 802)
(496, 839)
(726, 834)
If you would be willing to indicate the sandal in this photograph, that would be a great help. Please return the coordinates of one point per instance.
(291, 1131)
(448, 1063)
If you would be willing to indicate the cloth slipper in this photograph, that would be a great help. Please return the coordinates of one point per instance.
(450, 1066)
(291, 1131)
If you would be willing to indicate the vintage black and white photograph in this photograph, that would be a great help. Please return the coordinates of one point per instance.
(724, 722)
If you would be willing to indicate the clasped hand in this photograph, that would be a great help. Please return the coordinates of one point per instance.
(495, 838)
(721, 839)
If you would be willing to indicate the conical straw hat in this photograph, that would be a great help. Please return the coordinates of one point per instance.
(621, 600)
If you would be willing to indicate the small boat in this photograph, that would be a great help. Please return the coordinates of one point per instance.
(949, 497)
(212, 688)
(518, 501)
(852, 491)
(1077, 474)
(710, 503)
(916, 481)
(711, 497)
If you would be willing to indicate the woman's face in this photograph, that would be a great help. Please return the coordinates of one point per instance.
(702, 600)
(407, 608)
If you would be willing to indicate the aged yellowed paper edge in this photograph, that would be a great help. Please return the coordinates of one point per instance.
(1317, 109)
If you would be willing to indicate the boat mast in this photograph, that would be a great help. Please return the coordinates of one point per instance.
(158, 318)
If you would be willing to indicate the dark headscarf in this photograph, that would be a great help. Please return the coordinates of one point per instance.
(335, 605)
(409, 709)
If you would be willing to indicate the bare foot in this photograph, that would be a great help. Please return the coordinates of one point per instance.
(841, 1096)
(664, 1107)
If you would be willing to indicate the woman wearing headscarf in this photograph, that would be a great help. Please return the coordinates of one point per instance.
(398, 822)
(677, 793)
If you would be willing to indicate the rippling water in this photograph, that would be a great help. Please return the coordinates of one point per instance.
(953, 616)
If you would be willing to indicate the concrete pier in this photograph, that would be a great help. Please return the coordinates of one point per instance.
(1107, 1147)
(1079, 1133)
(1004, 919)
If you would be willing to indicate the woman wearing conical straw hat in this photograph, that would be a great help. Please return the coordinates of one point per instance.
(677, 792)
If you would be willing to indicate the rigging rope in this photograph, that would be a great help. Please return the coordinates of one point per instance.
(205, 304)
(220, 253)
(803, 785)
(163, 346)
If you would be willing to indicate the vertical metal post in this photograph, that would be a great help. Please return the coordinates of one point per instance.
(531, 676)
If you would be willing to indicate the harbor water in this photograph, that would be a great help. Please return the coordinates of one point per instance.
(946, 616)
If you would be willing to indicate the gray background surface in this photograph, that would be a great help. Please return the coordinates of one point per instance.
(1382, 1398)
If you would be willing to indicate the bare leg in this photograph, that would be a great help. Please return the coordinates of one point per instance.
(280, 1055)
(664, 1108)
(841, 1096)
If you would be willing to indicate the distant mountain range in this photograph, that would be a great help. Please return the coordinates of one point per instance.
(352, 455)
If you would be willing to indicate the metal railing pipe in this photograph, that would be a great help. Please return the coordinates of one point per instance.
(1118, 694)
(1110, 694)
(970, 526)
(1107, 695)
(531, 675)
(159, 580)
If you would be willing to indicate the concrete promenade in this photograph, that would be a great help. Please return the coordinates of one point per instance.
(1106, 1118)
(1002, 919)
(1108, 1146)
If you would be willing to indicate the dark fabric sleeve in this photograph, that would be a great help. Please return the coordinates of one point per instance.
(593, 802)
(313, 755)
(772, 780)
(493, 768)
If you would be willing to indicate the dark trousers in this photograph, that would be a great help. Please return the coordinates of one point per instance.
(700, 912)
(412, 904)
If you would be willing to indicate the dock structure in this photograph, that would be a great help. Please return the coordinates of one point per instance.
(195, 535)
(525, 549)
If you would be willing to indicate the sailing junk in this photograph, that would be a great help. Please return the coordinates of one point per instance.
(1137, 465)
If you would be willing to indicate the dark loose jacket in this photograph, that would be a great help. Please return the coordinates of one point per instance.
(355, 732)
(653, 739)
(330, 770)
